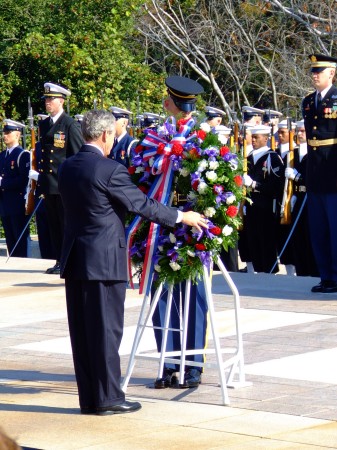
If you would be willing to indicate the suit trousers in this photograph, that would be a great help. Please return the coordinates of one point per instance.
(96, 318)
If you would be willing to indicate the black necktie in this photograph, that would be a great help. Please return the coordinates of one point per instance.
(319, 99)
(7, 153)
(51, 122)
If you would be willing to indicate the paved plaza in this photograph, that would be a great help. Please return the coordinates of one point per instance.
(290, 354)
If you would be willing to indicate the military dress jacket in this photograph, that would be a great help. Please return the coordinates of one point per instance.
(321, 130)
(97, 193)
(14, 172)
(122, 151)
(58, 142)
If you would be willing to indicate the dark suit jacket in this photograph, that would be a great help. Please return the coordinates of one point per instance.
(58, 142)
(321, 123)
(96, 193)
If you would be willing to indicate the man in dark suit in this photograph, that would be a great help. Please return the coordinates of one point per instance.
(14, 168)
(320, 120)
(96, 194)
(60, 137)
(124, 143)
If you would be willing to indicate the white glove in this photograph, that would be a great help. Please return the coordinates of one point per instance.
(33, 175)
(290, 173)
(292, 202)
(247, 180)
(0, 180)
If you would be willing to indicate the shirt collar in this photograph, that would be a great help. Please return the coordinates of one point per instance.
(57, 116)
(257, 154)
(324, 92)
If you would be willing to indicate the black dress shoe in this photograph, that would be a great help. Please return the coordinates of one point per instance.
(330, 287)
(55, 269)
(87, 410)
(192, 379)
(123, 408)
(319, 287)
(168, 380)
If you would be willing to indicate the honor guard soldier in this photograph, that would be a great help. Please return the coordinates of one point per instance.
(252, 116)
(60, 137)
(214, 116)
(319, 111)
(150, 120)
(264, 182)
(304, 260)
(124, 143)
(14, 168)
(287, 257)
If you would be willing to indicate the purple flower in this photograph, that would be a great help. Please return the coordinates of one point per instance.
(137, 160)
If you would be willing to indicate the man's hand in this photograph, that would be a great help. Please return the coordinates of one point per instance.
(247, 180)
(194, 219)
(33, 174)
(290, 173)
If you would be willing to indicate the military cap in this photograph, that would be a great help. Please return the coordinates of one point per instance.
(150, 118)
(300, 124)
(54, 90)
(12, 125)
(79, 117)
(260, 129)
(120, 113)
(222, 129)
(320, 62)
(214, 112)
(249, 112)
(184, 92)
(271, 114)
(284, 124)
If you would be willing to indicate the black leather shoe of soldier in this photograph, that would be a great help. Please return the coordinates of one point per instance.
(55, 269)
(319, 287)
(168, 380)
(329, 287)
(192, 379)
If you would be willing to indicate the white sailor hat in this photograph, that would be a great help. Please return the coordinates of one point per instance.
(79, 117)
(214, 112)
(300, 124)
(249, 112)
(120, 113)
(12, 125)
(42, 116)
(222, 129)
(260, 129)
(284, 124)
(54, 90)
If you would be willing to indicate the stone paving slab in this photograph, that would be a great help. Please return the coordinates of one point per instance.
(290, 345)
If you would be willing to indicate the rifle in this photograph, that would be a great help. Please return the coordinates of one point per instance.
(234, 139)
(289, 184)
(244, 170)
(33, 163)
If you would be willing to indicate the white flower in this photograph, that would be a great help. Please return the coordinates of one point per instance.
(139, 169)
(202, 165)
(202, 187)
(218, 240)
(204, 126)
(172, 238)
(190, 253)
(174, 266)
(231, 199)
(157, 268)
(223, 139)
(210, 211)
(211, 175)
(213, 165)
(184, 172)
(191, 196)
(160, 248)
(234, 164)
(227, 230)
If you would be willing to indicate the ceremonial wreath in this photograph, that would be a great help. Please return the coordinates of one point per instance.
(179, 157)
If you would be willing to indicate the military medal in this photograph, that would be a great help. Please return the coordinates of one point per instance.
(59, 139)
(122, 154)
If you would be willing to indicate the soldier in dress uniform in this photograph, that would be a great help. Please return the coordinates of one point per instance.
(304, 260)
(60, 137)
(287, 257)
(264, 182)
(124, 143)
(214, 116)
(252, 116)
(180, 102)
(319, 111)
(150, 120)
(14, 168)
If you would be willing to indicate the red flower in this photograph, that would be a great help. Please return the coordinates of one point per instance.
(177, 149)
(224, 151)
(232, 211)
(200, 247)
(238, 180)
(216, 231)
(201, 134)
(160, 148)
(132, 170)
(182, 122)
(143, 189)
(195, 185)
(194, 152)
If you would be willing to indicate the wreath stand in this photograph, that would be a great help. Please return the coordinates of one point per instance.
(234, 365)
